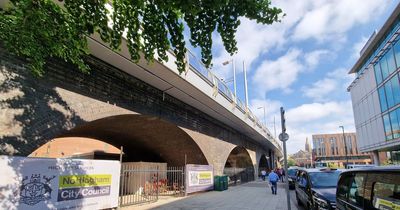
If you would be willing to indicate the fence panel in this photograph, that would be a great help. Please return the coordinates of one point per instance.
(144, 184)
(172, 181)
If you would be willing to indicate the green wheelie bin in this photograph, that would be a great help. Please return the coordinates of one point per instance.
(218, 183)
(225, 182)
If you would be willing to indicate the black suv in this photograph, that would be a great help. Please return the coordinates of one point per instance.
(369, 188)
(292, 171)
(316, 188)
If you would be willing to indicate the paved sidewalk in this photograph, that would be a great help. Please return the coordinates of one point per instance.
(249, 196)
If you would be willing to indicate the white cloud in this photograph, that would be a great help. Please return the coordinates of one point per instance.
(284, 71)
(253, 39)
(358, 46)
(278, 74)
(317, 118)
(320, 89)
(312, 59)
(333, 85)
(315, 111)
(331, 19)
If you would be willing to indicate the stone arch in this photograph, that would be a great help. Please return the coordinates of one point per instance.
(239, 166)
(144, 138)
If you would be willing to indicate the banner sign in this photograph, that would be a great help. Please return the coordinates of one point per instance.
(199, 178)
(48, 183)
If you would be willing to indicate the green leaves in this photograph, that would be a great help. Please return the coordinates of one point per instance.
(41, 29)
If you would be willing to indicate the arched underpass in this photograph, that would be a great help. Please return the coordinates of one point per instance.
(263, 164)
(144, 138)
(239, 166)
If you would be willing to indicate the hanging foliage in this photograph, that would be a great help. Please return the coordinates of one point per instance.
(41, 29)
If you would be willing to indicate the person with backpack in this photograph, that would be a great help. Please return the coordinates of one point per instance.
(273, 179)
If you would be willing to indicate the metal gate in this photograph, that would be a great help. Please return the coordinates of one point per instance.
(140, 185)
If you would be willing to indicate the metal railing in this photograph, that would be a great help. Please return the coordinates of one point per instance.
(198, 67)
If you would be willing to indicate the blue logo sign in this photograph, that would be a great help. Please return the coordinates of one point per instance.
(36, 190)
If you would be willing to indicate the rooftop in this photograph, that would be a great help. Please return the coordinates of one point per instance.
(375, 40)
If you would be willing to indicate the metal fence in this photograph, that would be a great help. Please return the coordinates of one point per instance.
(141, 185)
(239, 175)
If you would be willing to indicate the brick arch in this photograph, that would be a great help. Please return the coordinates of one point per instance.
(263, 164)
(144, 138)
(239, 165)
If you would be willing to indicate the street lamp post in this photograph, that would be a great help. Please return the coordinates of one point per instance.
(245, 87)
(345, 145)
(265, 122)
(234, 76)
(274, 127)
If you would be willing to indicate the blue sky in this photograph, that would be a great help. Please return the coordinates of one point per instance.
(302, 63)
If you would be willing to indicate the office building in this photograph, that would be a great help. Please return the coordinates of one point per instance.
(330, 149)
(375, 92)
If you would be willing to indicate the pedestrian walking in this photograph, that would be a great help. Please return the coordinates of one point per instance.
(283, 175)
(278, 171)
(273, 179)
(263, 174)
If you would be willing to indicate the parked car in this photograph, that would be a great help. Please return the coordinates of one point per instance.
(292, 171)
(369, 188)
(316, 188)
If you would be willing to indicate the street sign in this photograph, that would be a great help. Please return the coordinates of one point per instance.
(283, 136)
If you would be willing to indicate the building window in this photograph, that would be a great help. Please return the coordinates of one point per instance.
(378, 73)
(384, 67)
(387, 126)
(389, 94)
(349, 145)
(396, 89)
(390, 60)
(394, 121)
(323, 150)
(391, 124)
(382, 98)
(396, 48)
(387, 64)
(333, 146)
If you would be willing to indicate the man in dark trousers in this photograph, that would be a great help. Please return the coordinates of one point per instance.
(273, 179)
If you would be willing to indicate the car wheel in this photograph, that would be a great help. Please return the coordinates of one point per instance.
(298, 200)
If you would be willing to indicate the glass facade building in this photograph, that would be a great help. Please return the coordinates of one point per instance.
(376, 90)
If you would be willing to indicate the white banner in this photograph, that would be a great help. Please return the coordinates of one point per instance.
(47, 183)
(199, 178)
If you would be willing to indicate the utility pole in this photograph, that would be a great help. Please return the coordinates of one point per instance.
(274, 127)
(245, 86)
(234, 76)
(345, 146)
(284, 137)
(265, 121)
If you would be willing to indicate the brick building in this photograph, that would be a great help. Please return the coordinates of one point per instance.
(330, 148)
